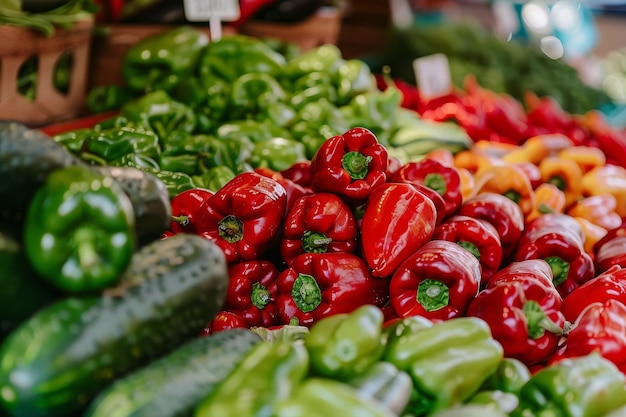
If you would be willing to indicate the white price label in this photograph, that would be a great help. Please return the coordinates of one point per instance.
(206, 10)
(432, 74)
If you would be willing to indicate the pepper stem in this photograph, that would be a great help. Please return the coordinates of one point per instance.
(182, 220)
(560, 269)
(260, 296)
(306, 293)
(559, 182)
(470, 247)
(537, 322)
(356, 164)
(513, 196)
(313, 242)
(230, 229)
(86, 250)
(436, 182)
(433, 295)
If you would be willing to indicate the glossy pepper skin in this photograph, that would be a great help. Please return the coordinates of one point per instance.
(252, 292)
(600, 327)
(350, 165)
(397, 220)
(318, 285)
(160, 62)
(342, 346)
(447, 361)
(270, 372)
(223, 320)
(79, 232)
(522, 308)
(437, 176)
(479, 237)
(610, 252)
(510, 376)
(558, 239)
(244, 216)
(609, 285)
(509, 181)
(293, 189)
(438, 282)
(185, 207)
(318, 223)
(585, 386)
(502, 213)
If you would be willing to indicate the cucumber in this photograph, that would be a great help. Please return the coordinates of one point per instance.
(149, 197)
(63, 356)
(23, 291)
(175, 384)
(26, 159)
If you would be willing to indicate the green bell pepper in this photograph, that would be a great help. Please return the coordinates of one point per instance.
(324, 58)
(312, 87)
(447, 361)
(160, 113)
(233, 56)
(104, 98)
(161, 61)
(470, 410)
(278, 113)
(344, 345)
(135, 160)
(187, 163)
(510, 376)
(214, 178)
(112, 144)
(79, 230)
(320, 397)
(268, 374)
(175, 182)
(208, 97)
(499, 400)
(317, 121)
(252, 92)
(73, 139)
(278, 154)
(354, 77)
(253, 130)
(583, 386)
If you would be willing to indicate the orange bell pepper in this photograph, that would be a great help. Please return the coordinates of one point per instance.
(592, 233)
(539, 147)
(565, 174)
(607, 179)
(587, 157)
(598, 209)
(548, 199)
(467, 182)
(508, 180)
(473, 160)
(494, 149)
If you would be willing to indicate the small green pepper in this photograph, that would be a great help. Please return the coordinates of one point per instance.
(324, 58)
(187, 163)
(79, 230)
(73, 140)
(252, 92)
(344, 345)
(208, 97)
(278, 154)
(268, 374)
(161, 61)
(104, 98)
(135, 160)
(510, 376)
(175, 182)
(253, 130)
(354, 77)
(112, 144)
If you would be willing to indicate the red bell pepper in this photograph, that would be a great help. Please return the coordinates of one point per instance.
(299, 172)
(477, 236)
(533, 173)
(294, 190)
(397, 221)
(559, 240)
(601, 328)
(435, 197)
(318, 223)
(502, 213)
(610, 140)
(223, 320)
(252, 292)
(350, 165)
(522, 308)
(244, 217)
(437, 282)
(610, 284)
(318, 285)
(437, 176)
(185, 206)
(611, 252)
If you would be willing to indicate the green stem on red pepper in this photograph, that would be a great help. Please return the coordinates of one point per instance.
(433, 295)
(306, 293)
(356, 164)
(538, 322)
(560, 269)
(470, 247)
(315, 242)
(436, 182)
(513, 195)
(260, 295)
(231, 229)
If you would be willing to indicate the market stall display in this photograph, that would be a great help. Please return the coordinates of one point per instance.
(291, 234)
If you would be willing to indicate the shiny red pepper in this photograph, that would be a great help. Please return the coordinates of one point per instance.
(611, 249)
(350, 165)
(522, 308)
(610, 284)
(502, 213)
(294, 190)
(252, 292)
(558, 239)
(437, 282)
(601, 328)
(299, 172)
(318, 285)
(184, 208)
(244, 217)
(398, 219)
(318, 223)
(477, 236)
(437, 176)
(435, 197)
(223, 320)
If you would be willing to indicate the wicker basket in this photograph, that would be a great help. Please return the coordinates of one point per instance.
(17, 45)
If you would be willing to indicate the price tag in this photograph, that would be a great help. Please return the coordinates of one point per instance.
(432, 74)
(213, 11)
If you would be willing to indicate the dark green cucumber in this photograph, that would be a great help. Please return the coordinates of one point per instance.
(26, 158)
(175, 384)
(150, 199)
(55, 363)
(22, 291)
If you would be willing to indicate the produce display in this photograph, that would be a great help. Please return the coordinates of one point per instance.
(285, 236)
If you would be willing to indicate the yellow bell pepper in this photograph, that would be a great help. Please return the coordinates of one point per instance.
(467, 182)
(507, 180)
(598, 209)
(537, 148)
(607, 179)
(587, 157)
(565, 174)
(592, 233)
(548, 199)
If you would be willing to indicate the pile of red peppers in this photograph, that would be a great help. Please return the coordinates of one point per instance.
(536, 249)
